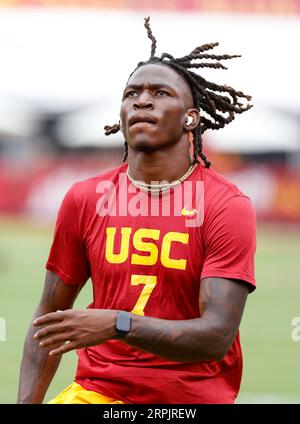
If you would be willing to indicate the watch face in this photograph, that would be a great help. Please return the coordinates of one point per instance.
(123, 322)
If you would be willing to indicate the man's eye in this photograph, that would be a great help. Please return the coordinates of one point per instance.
(131, 94)
(161, 93)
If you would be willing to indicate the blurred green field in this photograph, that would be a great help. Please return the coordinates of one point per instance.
(271, 358)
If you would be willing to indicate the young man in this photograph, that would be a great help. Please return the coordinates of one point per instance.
(169, 291)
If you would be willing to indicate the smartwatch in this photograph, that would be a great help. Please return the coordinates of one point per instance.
(123, 324)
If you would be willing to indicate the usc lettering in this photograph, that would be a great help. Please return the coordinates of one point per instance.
(144, 246)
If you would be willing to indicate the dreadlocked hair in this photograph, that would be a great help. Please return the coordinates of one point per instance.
(217, 104)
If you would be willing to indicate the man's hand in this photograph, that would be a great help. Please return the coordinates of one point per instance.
(75, 329)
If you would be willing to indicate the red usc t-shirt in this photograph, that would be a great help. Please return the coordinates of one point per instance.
(152, 265)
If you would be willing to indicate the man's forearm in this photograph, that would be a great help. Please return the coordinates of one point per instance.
(37, 370)
(201, 339)
(185, 341)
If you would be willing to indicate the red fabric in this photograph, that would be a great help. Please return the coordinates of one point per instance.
(223, 246)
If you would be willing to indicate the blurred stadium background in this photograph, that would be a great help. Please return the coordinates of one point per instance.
(63, 67)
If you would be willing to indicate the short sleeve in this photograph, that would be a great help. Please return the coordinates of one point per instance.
(230, 242)
(67, 257)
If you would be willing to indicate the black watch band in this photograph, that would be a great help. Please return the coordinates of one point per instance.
(123, 324)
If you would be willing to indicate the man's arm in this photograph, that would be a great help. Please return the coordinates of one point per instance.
(38, 368)
(221, 304)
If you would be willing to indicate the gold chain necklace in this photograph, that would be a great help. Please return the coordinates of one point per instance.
(157, 188)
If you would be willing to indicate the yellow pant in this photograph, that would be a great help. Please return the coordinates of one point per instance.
(77, 394)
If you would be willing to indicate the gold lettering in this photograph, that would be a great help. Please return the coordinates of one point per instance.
(144, 246)
(117, 258)
(149, 282)
(166, 247)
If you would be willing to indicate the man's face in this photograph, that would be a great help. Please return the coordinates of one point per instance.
(154, 108)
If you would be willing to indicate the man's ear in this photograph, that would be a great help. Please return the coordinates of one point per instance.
(120, 125)
(191, 119)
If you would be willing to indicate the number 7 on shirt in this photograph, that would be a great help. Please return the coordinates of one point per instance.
(149, 282)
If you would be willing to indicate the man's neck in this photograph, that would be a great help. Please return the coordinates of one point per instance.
(161, 165)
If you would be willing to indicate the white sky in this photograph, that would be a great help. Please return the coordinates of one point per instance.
(67, 58)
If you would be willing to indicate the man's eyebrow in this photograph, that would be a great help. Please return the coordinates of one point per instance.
(155, 86)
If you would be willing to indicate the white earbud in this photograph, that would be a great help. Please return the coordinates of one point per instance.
(189, 120)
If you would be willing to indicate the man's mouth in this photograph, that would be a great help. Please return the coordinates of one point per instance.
(141, 119)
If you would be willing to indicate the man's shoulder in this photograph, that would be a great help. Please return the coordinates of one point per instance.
(89, 185)
(220, 193)
(223, 199)
(216, 184)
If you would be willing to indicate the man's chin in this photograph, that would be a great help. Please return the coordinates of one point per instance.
(144, 146)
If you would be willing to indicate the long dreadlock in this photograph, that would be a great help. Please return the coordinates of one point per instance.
(219, 102)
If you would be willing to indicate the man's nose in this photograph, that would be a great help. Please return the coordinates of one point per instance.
(143, 101)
